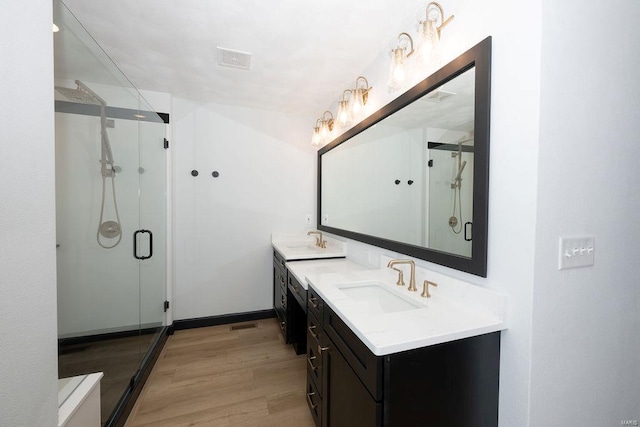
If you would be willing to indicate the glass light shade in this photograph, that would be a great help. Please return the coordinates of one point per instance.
(316, 140)
(357, 102)
(344, 115)
(429, 43)
(398, 70)
(324, 130)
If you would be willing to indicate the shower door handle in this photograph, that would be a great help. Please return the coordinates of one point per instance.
(468, 239)
(135, 244)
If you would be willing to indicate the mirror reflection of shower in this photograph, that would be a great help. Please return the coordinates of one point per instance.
(107, 229)
(455, 220)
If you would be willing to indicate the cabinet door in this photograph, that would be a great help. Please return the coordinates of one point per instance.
(347, 401)
(279, 296)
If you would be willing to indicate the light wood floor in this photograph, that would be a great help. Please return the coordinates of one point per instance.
(217, 376)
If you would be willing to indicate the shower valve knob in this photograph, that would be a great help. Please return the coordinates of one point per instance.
(194, 173)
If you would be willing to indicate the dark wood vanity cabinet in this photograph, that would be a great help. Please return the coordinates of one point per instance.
(448, 384)
(290, 304)
(297, 314)
(280, 292)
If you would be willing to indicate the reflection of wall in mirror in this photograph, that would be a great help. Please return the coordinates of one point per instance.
(441, 197)
(369, 201)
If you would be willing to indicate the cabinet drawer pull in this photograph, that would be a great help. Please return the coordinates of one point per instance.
(311, 405)
(282, 325)
(283, 301)
(281, 280)
(294, 288)
(321, 349)
(309, 361)
(312, 302)
(310, 328)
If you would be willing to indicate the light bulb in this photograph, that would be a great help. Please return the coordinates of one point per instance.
(316, 140)
(397, 72)
(429, 43)
(343, 112)
(357, 102)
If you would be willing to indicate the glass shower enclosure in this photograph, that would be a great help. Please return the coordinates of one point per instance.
(111, 218)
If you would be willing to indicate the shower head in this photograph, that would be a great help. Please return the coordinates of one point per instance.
(81, 94)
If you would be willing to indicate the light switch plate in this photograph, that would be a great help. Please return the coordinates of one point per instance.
(576, 252)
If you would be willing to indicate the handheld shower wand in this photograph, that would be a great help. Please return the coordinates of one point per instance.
(83, 94)
(456, 185)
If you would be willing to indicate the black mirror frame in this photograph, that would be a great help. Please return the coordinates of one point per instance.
(479, 57)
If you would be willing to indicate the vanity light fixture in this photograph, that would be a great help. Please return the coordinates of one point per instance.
(326, 126)
(344, 113)
(359, 96)
(399, 71)
(316, 139)
(429, 33)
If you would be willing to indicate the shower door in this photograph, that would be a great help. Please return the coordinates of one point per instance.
(450, 202)
(110, 294)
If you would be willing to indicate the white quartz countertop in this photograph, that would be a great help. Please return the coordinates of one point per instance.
(302, 269)
(455, 311)
(298, 247)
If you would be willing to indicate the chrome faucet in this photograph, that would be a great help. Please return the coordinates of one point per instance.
(319, 242)
(412, 280)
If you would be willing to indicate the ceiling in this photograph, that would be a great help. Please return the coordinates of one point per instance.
(304, 54)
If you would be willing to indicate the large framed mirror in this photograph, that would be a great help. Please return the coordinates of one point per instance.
(414, 176)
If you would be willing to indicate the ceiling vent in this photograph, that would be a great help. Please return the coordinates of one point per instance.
(234, 58)
(437, 95)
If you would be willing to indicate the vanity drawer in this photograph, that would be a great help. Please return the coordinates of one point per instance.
(280, 275)
(366, 365)
(314, 353)
(315, 305)
(297, 291)
(314, 401)
(277, 259)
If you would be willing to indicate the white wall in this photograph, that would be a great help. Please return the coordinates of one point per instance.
(223, 226)
(28, 396)
(586, 321)
(370, 202)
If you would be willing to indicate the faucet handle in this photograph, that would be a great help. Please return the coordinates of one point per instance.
(400, 281)
(425, 290)
(323, 244)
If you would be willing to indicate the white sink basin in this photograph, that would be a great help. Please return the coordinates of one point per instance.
(375, 297)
